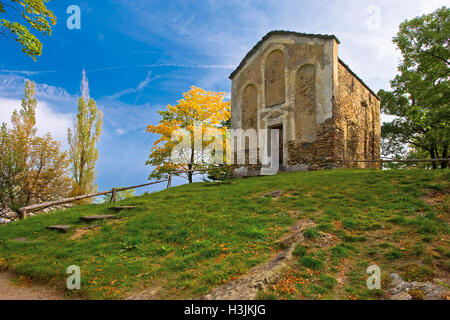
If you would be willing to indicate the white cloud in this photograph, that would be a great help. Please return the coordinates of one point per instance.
(47, 120)
(140, 87)
(224, 31)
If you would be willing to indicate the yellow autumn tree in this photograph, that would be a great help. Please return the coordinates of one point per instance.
(188, 131)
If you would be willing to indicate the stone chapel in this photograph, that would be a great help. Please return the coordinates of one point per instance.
(326, 115)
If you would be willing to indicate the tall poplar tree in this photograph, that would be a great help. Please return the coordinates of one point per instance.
(24, 125)
(82, 143)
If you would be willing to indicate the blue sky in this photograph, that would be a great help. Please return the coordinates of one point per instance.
(141, 55)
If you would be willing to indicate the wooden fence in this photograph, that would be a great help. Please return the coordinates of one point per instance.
(399, 160)
(23, 211)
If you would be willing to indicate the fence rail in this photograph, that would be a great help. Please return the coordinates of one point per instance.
(399, 160)
(23, 211)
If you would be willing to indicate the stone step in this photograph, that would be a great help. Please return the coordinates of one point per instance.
(97, 217)
(117, 209)
(60, 228)
(274, 194)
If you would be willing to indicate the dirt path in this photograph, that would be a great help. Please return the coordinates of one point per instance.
(260, 277)
(11, 291)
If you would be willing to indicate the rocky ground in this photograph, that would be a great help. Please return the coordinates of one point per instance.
(7, 215)
(401, 290)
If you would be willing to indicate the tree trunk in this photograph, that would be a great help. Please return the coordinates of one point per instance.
(444, 164)
(191, 165)
(190, 173)
(433, 156)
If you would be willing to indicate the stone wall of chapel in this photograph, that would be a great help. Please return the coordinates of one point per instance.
(357, 121)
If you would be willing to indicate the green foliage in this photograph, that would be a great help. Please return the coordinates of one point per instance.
(220, 174)
(327, 281)
(311, 263)
(32, 169)
(393, 254)
(340, 251)
(300, 251)
(82, 140)
(311, 233)
(36, 15)
(421, 91)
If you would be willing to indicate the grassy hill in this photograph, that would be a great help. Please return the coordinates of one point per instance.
(187, 240)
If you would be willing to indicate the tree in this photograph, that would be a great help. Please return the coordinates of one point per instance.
(421, 91)
(82, 140)
(36, 14)
(32, 169)
(24, 123)
(197, 108)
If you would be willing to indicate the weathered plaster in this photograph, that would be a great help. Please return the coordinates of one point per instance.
(343, 127)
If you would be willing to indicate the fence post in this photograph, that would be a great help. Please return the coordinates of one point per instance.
(113, 195)
(169, 182)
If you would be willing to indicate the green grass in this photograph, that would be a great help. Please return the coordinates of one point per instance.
(189, 239)
(311, 263)
(300, 251)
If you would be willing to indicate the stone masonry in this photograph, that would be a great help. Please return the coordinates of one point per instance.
(327, 116)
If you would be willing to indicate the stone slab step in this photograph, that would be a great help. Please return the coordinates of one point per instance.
(60, 228)
(97, 217)
(274, 194)
(117, 209)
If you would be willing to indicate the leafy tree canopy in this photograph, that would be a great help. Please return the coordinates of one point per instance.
(421, 92)
(205, 108)
(32, 169)
(35, 14)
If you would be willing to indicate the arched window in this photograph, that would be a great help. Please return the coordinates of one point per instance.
(305, 103)
(275, 79)
(249, 108)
